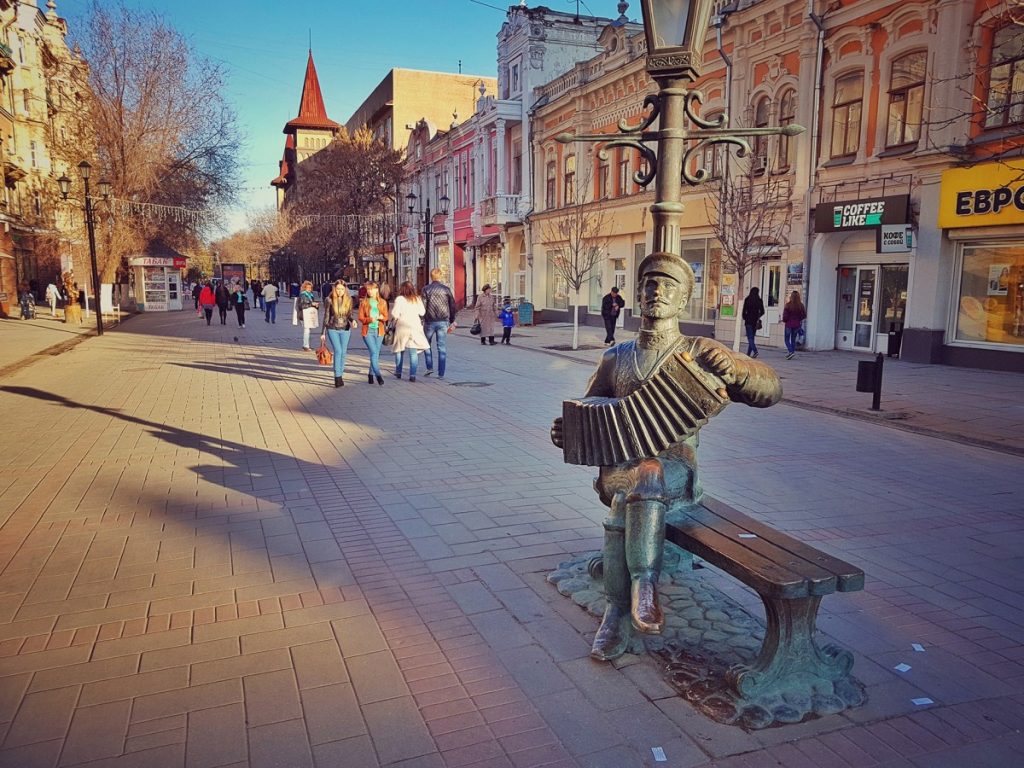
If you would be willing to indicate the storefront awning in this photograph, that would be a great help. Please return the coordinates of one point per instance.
(476, 242)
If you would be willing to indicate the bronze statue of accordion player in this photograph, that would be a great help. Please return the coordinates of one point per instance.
(639, 421)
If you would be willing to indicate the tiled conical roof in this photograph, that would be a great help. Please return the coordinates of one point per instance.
(312, 113)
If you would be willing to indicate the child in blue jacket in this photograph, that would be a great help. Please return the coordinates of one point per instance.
(508, 322)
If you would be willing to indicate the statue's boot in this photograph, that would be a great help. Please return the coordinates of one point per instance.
(615, 632)
(645, 543)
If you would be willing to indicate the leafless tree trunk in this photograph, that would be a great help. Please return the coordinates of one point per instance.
(576, 239)
(750, 215)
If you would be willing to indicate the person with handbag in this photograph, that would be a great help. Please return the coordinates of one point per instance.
(753, 311)
(486, 314)
(793, 316)
(304, 310)
(207, 300)
(407, 315)
(338, 327)
(373, 318)
(238, 301)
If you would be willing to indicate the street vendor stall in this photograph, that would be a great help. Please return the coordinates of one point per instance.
(157, 282)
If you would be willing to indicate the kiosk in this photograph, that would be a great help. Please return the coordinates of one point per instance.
(157, 282)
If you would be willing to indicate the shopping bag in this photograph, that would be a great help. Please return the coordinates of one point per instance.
(389, 334)
(324, 356)
(475, 330)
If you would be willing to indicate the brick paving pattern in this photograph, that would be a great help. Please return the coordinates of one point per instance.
(210, 557)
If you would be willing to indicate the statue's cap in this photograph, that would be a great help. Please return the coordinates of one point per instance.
(667, 264)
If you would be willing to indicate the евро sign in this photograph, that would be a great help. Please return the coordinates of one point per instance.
(983, 196)
(848, 215)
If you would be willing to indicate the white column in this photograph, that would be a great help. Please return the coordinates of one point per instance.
(499, 188)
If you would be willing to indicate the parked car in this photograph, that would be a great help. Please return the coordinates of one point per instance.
(353, 290)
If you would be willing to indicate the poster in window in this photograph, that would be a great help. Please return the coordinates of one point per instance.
(998, 279)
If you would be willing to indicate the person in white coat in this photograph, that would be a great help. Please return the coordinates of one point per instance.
(407, 314)
(52, 294)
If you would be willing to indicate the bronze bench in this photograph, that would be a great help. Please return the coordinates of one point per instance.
(790, 576)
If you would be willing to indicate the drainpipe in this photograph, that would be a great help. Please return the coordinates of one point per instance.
(812, 172)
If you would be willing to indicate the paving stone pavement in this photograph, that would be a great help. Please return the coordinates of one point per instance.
(211, 557)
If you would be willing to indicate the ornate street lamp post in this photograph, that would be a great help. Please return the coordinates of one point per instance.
(675, 32)
(427, 222)
(65, 189)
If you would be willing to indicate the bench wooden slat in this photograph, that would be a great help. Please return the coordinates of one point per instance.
(733, 557)
(849, 578)
(820, 581)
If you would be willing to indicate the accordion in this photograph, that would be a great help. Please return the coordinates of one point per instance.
(666, 409)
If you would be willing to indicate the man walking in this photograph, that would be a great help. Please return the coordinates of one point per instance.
(438, 320)
(269, 294)
(611, 305)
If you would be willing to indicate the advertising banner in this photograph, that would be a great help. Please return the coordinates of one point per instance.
(849, 215)
(986, 195)
(231, 272)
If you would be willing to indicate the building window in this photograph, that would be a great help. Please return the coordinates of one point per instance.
(465, 180)
(787, 116)
(711, 156)
(472, 181)
(762, 117)
(32, 152)
(569, 182)
(624, 173)
(703, 256)
(991, 308)
(1006, 78)
(517, 167)
(603, 172)
(558, 288)
(515, 78)
(846, 108)
(906, 99)
(25, 97)
(37, 202)
(549, 189)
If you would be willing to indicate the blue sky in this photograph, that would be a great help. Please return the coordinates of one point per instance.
(263, 44)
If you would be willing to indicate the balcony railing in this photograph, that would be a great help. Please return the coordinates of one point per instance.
(499, 210)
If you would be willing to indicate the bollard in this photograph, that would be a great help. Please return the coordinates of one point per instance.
(869, 379)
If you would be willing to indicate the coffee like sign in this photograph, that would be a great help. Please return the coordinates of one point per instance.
(858, 215)
(871, 213)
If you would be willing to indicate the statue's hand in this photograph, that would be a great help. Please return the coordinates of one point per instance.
(716, 359)
(556, 432)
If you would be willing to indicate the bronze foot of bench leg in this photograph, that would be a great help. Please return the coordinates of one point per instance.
(790, 659)
(613, 636)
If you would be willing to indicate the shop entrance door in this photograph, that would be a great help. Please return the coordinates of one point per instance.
(857, 307)
(619, 281)
(771, 287)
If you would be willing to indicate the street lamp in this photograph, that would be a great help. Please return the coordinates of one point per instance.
(85, 170)
(675, 31)
(426, 220)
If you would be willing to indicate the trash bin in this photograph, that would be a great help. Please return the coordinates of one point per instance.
(895, 339)
(867, 370)
(525, 313)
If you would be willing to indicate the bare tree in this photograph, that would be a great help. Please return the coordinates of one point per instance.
(576, 239)
(750, 214)
(156, 124)
(343, 193)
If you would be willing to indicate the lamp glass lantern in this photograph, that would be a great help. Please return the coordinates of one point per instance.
(85, 169)
(675, 32)
(410, 199)
(65, 185)
(442, 205)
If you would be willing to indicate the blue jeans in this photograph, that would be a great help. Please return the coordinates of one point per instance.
(791, 334)
(339, 345)
(439, 329)
(751, 345)
(414, 361)
(272, 311)
(373, 340)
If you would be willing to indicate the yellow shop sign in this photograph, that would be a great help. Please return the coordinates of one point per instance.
(983, 196)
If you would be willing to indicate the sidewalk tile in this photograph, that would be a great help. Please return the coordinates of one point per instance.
(271, 697)
(234, 667)
(139, 684)
(356, 752)
(318, 664)
(332, 713)
(141, 643)
(285, 638)
(267, 743)
(96, 732)
(43, 716)
(358, 635)
(376, 676)
(187, 700)
(237, 627)
(397, 730)
(87, 672)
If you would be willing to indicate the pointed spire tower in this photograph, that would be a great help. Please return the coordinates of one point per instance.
(306, 134)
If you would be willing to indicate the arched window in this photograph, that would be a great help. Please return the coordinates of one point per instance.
(906, 99)
(711, 157)
(549, 189)
(762, 116)
(846, 109)
(787, 116)
(1006, 78)
(625, 173)
(569, 185)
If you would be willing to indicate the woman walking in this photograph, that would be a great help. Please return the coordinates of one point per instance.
(793, 315)
(207, 300)
(223, 299)
(238, 302)
(486, 312)
(309, 320)
(338, 327)
(753, 311)
(373, 316)
(408, 316)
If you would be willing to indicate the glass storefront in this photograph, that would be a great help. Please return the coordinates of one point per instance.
(558, 289)
(990, 306)
(704, 257)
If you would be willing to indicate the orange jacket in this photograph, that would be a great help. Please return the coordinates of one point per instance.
(365, 319)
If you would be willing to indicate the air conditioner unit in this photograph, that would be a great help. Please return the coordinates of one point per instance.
(759, 164)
